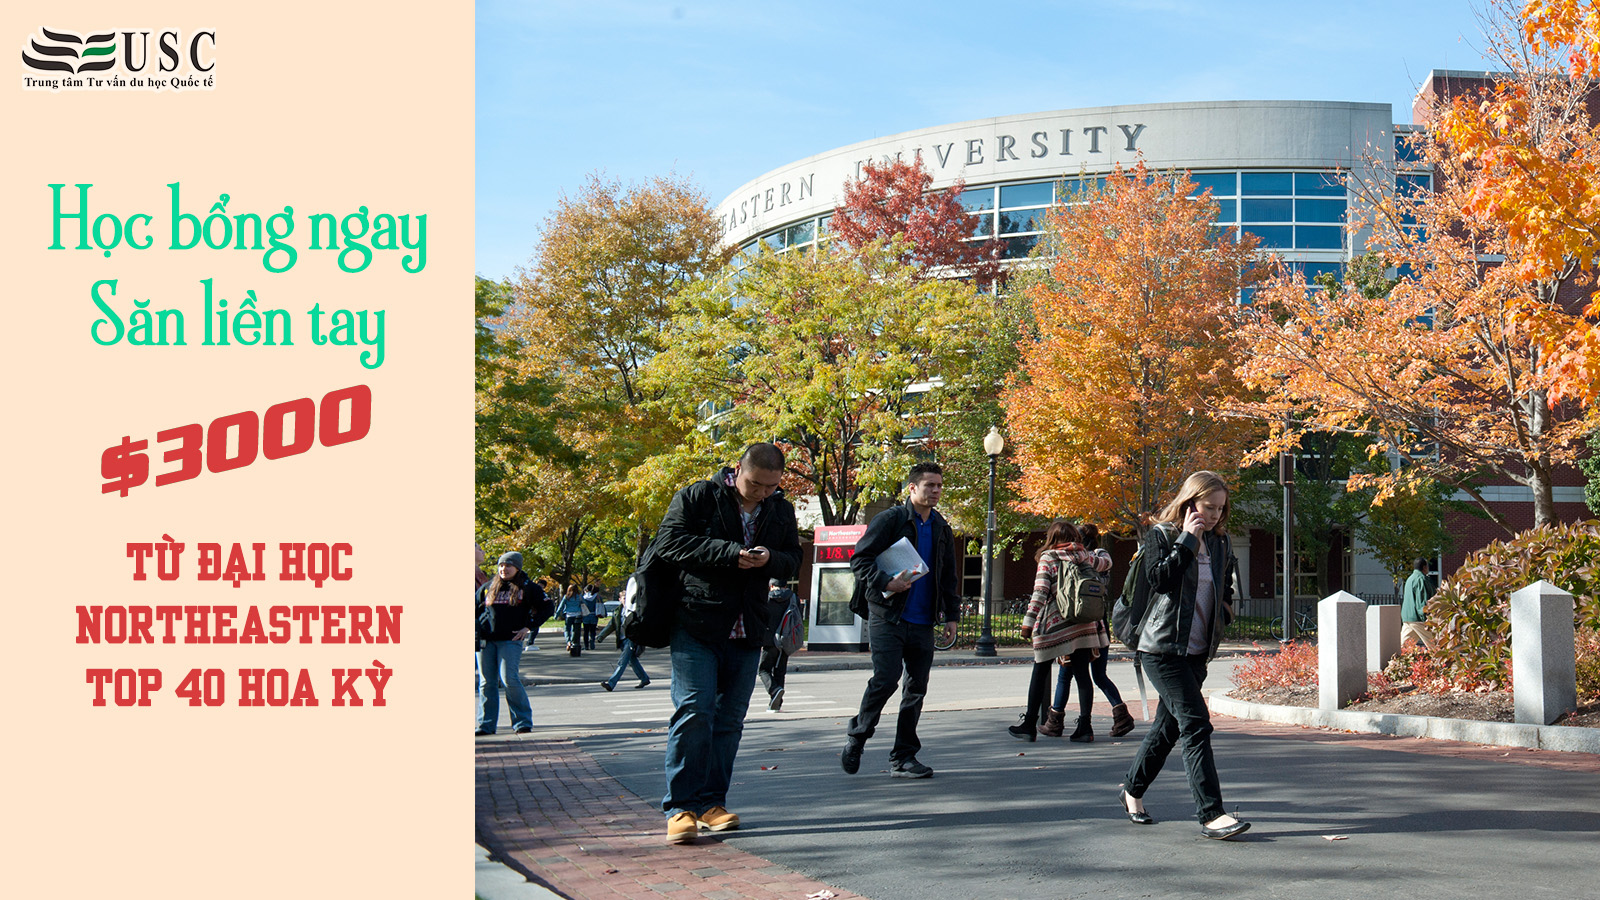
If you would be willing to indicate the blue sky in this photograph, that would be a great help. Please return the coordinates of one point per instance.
(725, 91)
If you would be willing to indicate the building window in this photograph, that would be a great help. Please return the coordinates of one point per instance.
(972, 576)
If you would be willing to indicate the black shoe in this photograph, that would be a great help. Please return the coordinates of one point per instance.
(482, 732)
(850, 757)
(524, 729)
(909, 768)
(776, 703)
(1137, 818)
(1225, 832)
(643, 684)
(1084, 733)
(608, 686)
(1024, 730)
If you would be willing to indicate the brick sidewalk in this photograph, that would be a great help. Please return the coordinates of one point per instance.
(548, 810)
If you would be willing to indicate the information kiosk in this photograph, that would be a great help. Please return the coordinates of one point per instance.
(833, 625)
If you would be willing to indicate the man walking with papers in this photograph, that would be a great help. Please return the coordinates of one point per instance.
(905, 568)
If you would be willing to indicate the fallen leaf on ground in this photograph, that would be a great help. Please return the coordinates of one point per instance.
(768, 768)
(1336, 837)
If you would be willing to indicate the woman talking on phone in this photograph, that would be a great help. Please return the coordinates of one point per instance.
(1188, 565)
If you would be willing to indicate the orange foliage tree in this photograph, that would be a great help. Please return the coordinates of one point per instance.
(1441, 374)
(1115, 401)
(892, 198)
(1534, 157)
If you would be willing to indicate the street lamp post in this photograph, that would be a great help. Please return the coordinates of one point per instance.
(993, 445)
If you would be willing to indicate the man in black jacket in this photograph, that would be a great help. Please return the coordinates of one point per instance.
(901, 612)
(727, 535)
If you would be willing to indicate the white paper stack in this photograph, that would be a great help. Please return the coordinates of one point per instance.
(902, 559)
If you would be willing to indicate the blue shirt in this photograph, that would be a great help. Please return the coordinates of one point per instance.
(919, 604)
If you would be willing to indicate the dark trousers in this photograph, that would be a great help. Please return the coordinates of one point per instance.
(772, 669)
(1038, 685)
(1181, 718)
(896, 648)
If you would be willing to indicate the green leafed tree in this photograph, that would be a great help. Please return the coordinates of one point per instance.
(590, 311)
(514, 425)
(848, 359)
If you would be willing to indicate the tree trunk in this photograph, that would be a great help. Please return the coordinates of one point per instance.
(1544, 500)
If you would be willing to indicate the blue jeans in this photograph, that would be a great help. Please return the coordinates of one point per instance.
(630, 656)
(497, 665)
(711, 687)
(1082, 669)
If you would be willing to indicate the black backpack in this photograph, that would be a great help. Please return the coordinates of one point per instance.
(651, 600)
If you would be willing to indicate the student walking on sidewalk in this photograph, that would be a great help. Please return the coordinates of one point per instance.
(727, 535)
(1187, 563)
(1082, 667)
(630, 651)
(1053, 638)
(902, 612)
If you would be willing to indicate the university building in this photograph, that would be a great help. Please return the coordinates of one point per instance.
(1277, 169)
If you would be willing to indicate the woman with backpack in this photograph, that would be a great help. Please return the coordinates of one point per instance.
(572, 613)
(1180, 609)
(1083, 666)
(592, 607)
(1052, 636)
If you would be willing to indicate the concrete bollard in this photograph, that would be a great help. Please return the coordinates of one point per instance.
(1383, 636)
(1341, 650)
(1544, 667)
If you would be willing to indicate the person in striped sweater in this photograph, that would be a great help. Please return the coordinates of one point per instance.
(1052, 637)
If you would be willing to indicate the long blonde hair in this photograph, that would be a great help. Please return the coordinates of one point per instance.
(1194, 487)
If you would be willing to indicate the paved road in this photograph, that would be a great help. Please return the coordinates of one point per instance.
(1009, 819)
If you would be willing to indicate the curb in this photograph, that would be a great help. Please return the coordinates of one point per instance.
(1564, 738)
(493, 880)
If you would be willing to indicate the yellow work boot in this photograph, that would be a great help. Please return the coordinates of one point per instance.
(718, 819)
(683, 828)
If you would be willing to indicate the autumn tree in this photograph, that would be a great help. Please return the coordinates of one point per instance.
(1116, 400)
(1529, 147)
(512, 417)
(848, 360)
(1407, 525)
(590, 312)
(892, 198)
(1442, 374)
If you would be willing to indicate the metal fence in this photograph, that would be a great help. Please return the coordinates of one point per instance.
(1255, 619)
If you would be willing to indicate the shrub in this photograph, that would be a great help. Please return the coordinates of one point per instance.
(1588, 647)
(1294, 665)
(1471, 613)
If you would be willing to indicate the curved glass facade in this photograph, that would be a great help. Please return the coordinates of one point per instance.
(1287, 210)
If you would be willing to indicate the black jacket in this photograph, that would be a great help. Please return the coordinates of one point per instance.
(1168, 560)
(702, 535)
(513, 609)
(887, 527)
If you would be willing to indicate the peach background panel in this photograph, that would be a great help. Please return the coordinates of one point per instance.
(324, 107)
